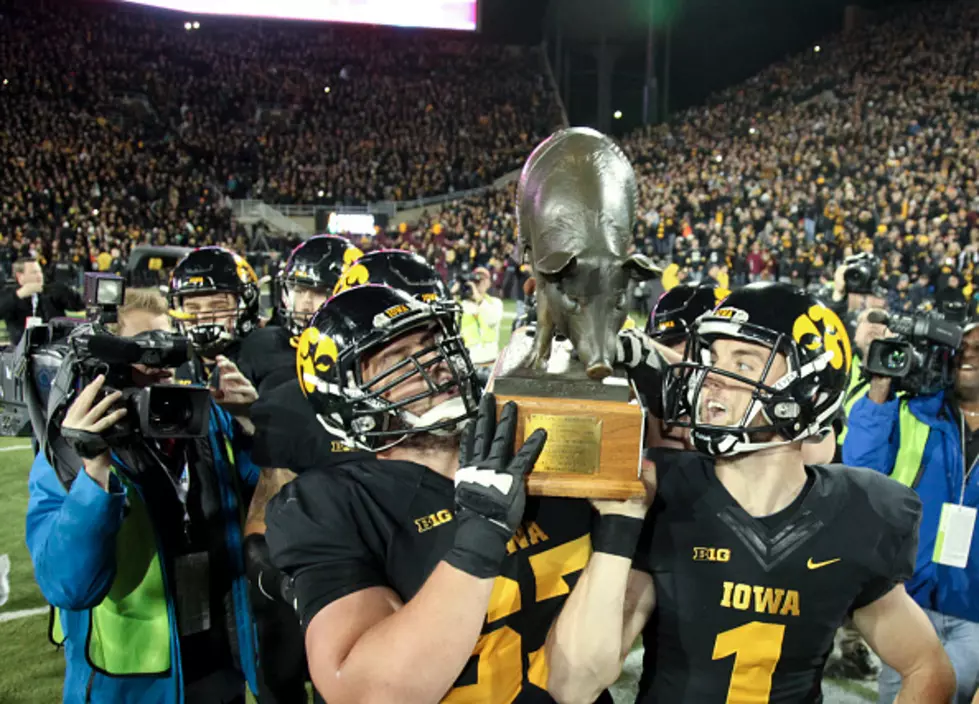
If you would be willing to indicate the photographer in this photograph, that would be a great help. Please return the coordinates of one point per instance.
(930, 442)
(31, 302)
(138, 546)
(481, 317)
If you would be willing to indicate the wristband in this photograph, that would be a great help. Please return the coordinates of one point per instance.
(616, 535)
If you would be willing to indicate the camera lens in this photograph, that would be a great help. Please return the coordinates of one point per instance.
(895, 359)
(168, 410)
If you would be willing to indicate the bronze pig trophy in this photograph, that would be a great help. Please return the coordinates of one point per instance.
(576, 207)
(576, 210)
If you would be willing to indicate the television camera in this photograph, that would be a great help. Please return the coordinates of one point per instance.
(921, 358)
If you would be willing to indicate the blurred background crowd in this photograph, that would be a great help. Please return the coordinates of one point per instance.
(124, 128)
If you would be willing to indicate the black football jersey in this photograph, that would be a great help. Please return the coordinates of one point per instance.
(267, 357)
(389, 523)
(746, 608)
(288, 434)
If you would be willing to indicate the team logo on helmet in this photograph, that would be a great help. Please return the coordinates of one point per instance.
(315, 353)
(720, 294)
(821, 327)
(735, 315)
(351, 255)
(357, 275)
(245, 272)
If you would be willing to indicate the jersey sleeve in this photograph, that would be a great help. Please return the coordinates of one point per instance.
(900, 508)
(314, 536)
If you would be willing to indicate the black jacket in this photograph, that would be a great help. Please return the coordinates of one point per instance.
(53, 302)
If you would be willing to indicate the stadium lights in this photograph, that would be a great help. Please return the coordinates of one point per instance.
(187, 26)
(817, 48)
(327, 89)
(197, 25)
(617, 114)
(320, 193)
(5, 81)
(752, 130)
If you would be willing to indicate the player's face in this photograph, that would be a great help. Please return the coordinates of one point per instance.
(305, 300)
(401, 349)
(211, 309)
(967, 377)
(723, 400)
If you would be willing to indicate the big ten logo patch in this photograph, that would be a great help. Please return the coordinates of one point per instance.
(711, 555)
(433, 520)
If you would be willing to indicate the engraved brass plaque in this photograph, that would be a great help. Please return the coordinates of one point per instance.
(574, 443)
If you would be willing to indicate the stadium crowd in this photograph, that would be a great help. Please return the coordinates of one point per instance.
(867, 144)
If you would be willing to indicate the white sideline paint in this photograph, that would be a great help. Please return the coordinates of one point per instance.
(15, 448)
(24, 613)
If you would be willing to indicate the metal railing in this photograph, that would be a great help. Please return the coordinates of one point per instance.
(253, 211)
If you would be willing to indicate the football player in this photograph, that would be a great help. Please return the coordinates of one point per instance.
(418, 581)
(268, 358)
(749, 559)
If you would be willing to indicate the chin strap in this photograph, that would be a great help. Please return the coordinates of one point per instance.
(453, 409)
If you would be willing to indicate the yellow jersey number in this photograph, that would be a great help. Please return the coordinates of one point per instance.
(756, 648)
(500, 670)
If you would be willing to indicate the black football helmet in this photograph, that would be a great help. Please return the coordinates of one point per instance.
(800, 404)
(398, 269)
(317, 263)
(209, 270)
(358, 322)
(677, 309)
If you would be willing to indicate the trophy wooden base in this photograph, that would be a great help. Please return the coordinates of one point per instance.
(594, 435)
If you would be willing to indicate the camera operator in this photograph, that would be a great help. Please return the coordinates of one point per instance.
(930, 442)
(139, 547)
(481, 317)
(33, 303)
(855, 286)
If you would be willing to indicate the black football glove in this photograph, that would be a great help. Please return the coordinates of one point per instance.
(645, 366)
(490, 488)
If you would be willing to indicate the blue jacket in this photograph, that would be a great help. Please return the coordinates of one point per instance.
(872, 441)
(71, 537)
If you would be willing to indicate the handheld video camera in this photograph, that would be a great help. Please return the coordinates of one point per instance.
(861, 273)
(921, 358)
(465, 291)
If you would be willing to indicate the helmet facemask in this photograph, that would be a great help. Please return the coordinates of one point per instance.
(210, 331)
(362, 408)
(792, 407)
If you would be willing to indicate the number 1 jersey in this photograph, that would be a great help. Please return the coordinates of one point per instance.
(746, 608)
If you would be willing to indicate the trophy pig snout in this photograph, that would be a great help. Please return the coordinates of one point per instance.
(599, 370)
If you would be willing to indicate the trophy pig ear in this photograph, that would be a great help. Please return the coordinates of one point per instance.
(556, 263)
(640, 267)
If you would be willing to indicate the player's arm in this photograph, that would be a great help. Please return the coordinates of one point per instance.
(362, 643)
(607, 609)
(258, 564)
(901, 634)
(369, 647)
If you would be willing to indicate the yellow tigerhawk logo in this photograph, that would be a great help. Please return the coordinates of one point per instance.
(245, 272)
(720, 294)
(351, 255)
(357, 275)
(315, 355)
(821, 327)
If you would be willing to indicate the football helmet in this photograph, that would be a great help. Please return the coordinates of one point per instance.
(209, 270)
(317, 263)
(347, 331)
(398, 269)
(799, 405)
(677, 309)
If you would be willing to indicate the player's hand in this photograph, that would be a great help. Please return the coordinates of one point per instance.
(646, 363)
(84, 424)
(234, 392)
(490, 490)
(631, 508)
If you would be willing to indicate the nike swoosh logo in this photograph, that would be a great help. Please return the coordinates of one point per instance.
(816, 565)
